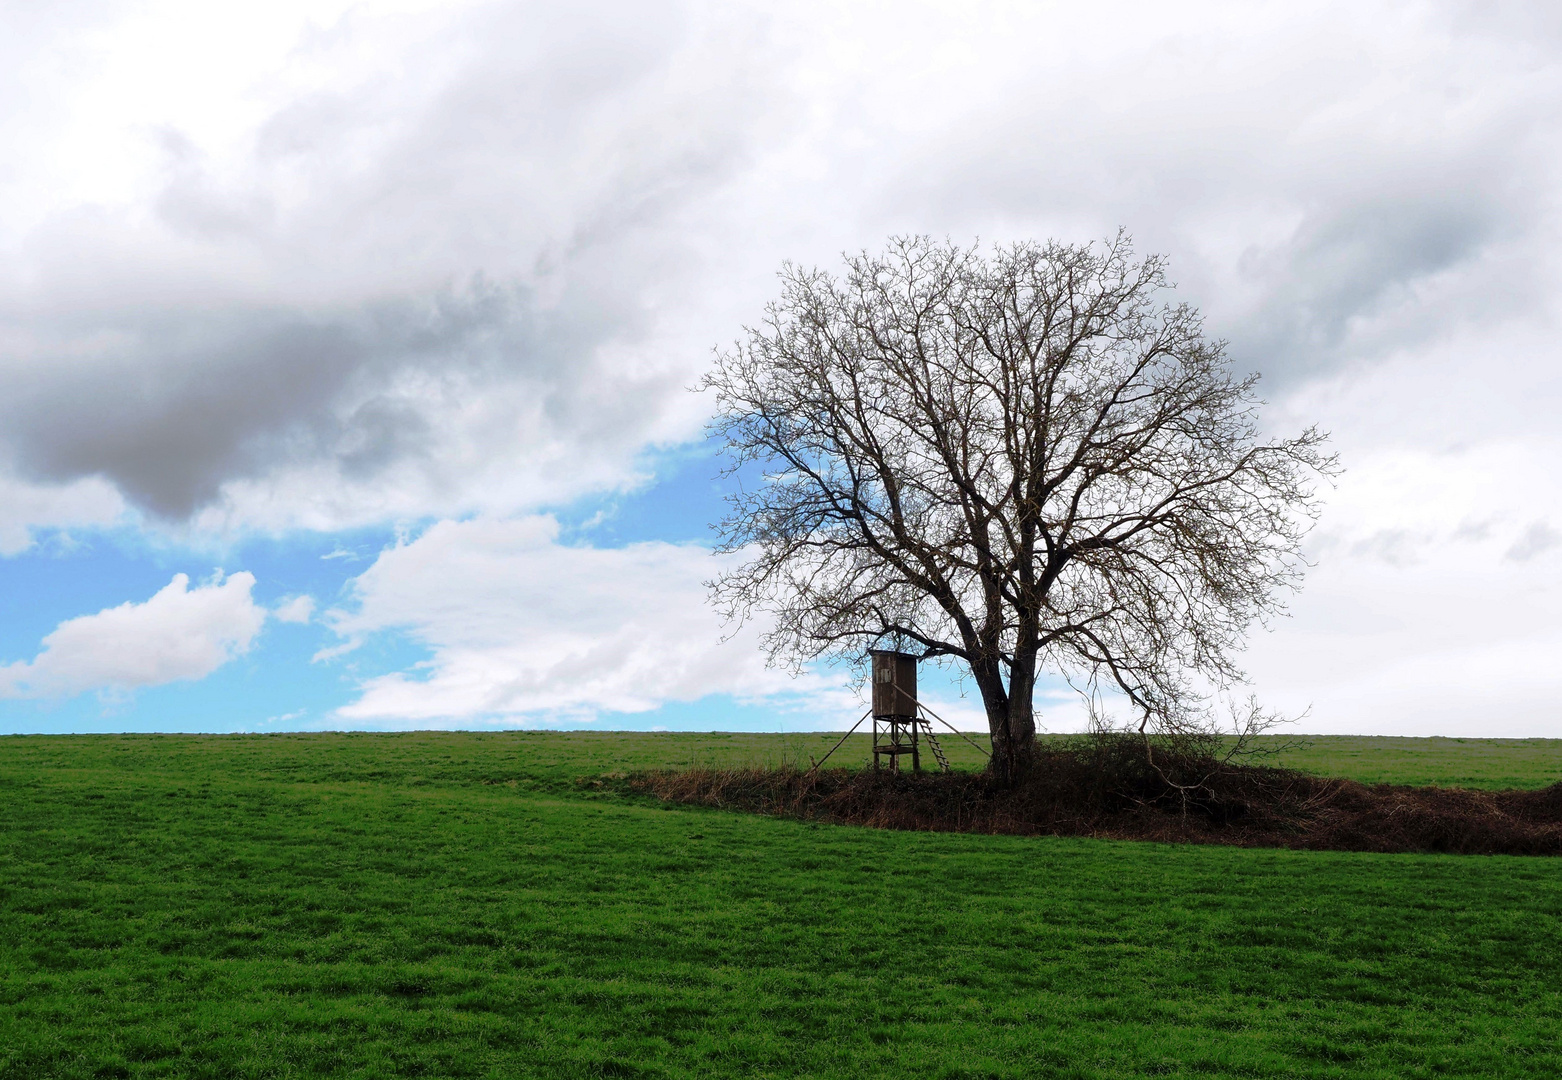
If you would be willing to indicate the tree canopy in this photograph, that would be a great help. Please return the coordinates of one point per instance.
(1026, 458)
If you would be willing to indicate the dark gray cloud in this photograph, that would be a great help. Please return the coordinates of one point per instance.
(1356, 262)
(430, 263)
(185, 401)
(413, 282)
(1538, 539)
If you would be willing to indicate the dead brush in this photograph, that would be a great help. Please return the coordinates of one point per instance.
(1084, 790)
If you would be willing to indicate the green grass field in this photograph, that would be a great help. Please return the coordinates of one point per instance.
(455, 905)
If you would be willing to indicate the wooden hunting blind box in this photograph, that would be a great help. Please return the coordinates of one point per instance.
(898, 726)
(894, 685)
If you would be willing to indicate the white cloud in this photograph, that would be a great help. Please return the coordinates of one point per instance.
(1415, 620)
(521, 626)
(961, 713)
(314, 266)
(296, 609)
(399, 261)
(24, 506)
(178, 634)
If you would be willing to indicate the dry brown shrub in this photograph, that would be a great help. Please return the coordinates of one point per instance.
(1070, 793)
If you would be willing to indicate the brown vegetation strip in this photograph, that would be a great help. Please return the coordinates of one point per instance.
(1251, 806)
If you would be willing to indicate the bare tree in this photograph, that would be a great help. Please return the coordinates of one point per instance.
(1020, 459)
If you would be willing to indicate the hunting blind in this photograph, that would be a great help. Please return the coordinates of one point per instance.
(901, 723)
(894, 684)
(898, 727)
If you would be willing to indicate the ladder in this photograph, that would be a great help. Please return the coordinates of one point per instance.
(938, 751)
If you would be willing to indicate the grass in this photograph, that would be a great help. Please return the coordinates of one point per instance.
(1469, 763)
(456, 905)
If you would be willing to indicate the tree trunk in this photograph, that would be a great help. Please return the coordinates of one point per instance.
(1011, 717)
(1003, 759)
(1022, 709)
(995, 700)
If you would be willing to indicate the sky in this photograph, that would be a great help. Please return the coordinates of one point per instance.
(346, 348)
